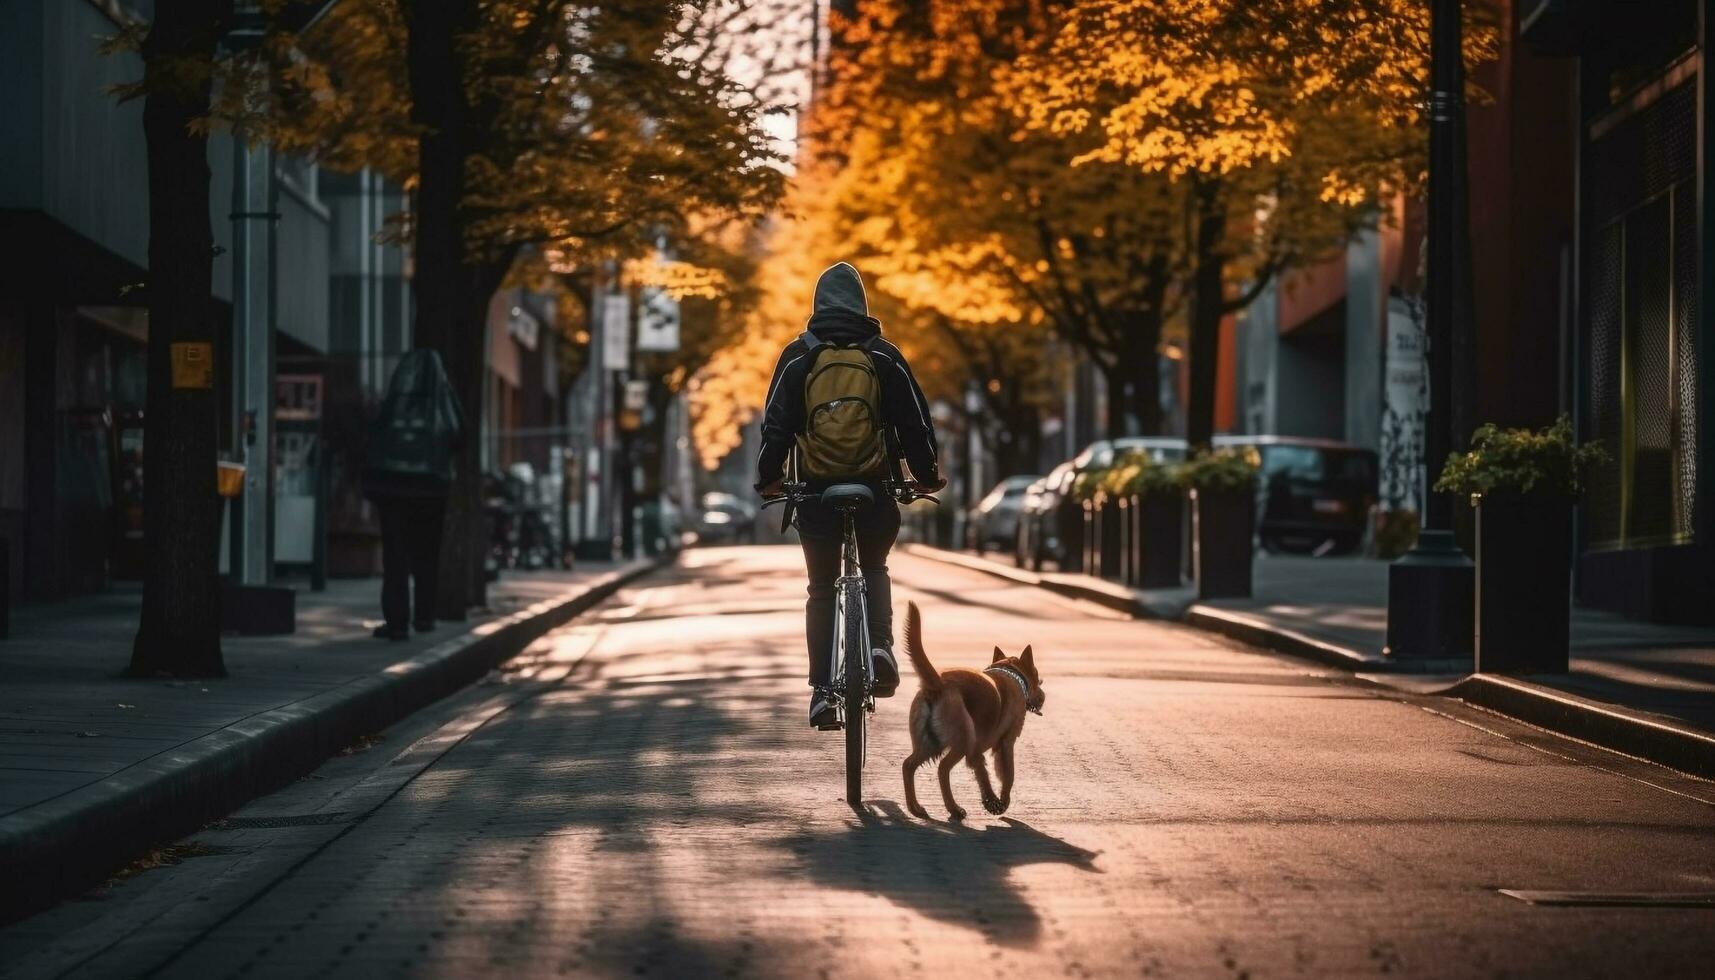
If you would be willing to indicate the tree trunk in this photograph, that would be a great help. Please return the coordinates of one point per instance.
(1118, 397)
(1208, 306)
(179, 630)
(452, 293)
(1146, 365)
(1019, 444)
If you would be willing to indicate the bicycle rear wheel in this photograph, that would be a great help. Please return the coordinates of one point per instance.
(856, 660)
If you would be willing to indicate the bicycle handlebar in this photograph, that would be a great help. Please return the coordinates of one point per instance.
(799, 493)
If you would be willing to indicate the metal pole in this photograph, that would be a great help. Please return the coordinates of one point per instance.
(1430, 588)
(1446, 164)
(255, 219)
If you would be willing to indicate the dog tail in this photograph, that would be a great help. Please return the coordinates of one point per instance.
(927, 676)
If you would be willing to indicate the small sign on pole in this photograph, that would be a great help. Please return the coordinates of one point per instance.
(636, 395)
(616, 332)
(193, 365)
(658, 321)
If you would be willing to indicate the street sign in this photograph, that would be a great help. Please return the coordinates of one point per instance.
(297, 397)
(193, 365)
(616, 332)
(636, 395)
(523, 327)
(658, 321)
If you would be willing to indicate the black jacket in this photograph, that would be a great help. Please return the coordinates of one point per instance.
(903, 407)
(411, 440)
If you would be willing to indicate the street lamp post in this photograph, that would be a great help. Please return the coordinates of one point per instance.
(1430, 588)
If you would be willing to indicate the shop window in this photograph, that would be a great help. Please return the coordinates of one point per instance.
(1641, 345)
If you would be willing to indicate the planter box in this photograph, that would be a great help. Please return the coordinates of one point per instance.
(1223, 526)
(1158, 548)
(1108, 518)
(1524, 584)
(1070, 556)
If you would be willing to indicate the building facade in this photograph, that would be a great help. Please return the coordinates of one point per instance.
(1608, 262)
(73, 328)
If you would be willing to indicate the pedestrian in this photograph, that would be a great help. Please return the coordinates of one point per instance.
(408, 472)
(892, 423)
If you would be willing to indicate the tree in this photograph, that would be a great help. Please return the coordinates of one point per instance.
(973, 215)
(595, 129)
(179, 631)
(1288, 122)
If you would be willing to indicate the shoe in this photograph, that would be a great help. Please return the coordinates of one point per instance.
(886, 672)
(424, 625)
(823, 717)
(385, 632)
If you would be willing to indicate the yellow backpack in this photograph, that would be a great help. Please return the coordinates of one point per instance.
(842, 437)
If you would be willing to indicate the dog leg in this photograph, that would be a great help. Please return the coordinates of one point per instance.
(1003, 768)
(912, 761)
(991, 802)
(954, 811)
(957, 735)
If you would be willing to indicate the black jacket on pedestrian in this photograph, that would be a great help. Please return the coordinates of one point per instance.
(841, 316)
(411, 441)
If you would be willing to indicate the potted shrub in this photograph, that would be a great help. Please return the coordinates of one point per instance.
(1111, 518)
(1222, 485)
(1086, 489)
(1155, 499)
(1522, 485)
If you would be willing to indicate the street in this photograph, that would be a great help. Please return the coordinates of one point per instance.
(639, 794)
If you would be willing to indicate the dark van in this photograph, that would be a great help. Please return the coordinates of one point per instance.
(1314, 495)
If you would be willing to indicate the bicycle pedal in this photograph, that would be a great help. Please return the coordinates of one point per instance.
(836, 726)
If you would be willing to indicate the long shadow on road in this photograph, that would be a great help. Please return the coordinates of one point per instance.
(950, 872)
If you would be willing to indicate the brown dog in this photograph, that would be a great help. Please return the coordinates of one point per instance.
(960, 714)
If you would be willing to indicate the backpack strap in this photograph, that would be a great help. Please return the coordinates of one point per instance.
(812, 342)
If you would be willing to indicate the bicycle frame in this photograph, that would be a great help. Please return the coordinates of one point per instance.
(851, 598)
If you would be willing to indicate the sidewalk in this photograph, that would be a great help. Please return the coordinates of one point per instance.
(94, 767)
(1640, 688)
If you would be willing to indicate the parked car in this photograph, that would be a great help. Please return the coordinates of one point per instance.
(993, 521)
(1313, 495)
(1102, 453)
(1043, 510)
(726, 517)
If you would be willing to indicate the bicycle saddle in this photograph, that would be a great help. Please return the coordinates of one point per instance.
(848, 496)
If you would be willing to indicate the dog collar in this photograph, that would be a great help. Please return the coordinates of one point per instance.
(1012, 672)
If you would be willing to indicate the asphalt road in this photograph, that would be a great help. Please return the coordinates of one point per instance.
(639, 794)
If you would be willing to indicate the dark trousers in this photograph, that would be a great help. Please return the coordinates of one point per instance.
(410, 549)
(819, 533)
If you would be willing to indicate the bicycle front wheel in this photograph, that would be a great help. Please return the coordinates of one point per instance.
(855, 682)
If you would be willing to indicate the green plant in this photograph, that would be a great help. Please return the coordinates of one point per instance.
(1112, 482)
(1521, 461)
(1227, 470)
(1087, 484)
(1395, 533)
(1137, 474)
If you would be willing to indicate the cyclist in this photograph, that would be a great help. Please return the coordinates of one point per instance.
(898, 425)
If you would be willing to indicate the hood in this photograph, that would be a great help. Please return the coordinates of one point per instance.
(841, 288)
(419, 373)
(842, 313)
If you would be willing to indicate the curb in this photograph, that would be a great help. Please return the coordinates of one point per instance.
(1261, 633)
(1228, 622)
(1605, 726)
(63, 846)
(1110, 595)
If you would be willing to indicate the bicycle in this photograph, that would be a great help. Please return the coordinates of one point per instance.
(854, 677)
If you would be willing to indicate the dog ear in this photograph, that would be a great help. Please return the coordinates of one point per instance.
(1024, 658)
(998, 656)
